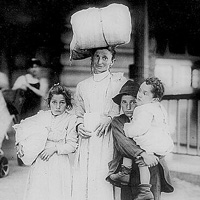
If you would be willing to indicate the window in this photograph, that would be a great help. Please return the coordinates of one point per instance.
(175, 74)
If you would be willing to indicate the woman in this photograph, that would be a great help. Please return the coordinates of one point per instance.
(95, 110)
(35, 87)
(45, 141)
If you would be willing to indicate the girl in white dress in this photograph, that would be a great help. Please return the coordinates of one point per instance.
(50, 137)
(95, 110)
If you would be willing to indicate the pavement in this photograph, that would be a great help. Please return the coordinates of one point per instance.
(185, 167)
(185, 171)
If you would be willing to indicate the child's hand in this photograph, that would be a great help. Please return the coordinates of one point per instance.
(47, 153)
(19, 149)
(150, 160)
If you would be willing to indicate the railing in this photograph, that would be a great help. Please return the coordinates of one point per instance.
(184, 120)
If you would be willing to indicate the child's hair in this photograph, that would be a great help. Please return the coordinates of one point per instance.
(157, 87)
(57, 89)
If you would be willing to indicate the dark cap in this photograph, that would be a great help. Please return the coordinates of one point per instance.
(129, 88)
(35, 61)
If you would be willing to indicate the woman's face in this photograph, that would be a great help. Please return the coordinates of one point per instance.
(144, 94)
(128, 104)
(35, 71)
(101, 61)
(58, 104)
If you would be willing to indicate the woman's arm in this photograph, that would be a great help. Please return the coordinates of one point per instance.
(20, 83)
(80, 111)
(79, 105)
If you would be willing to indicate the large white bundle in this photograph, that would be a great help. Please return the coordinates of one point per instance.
(32, 134)
(100, 27)
(32, 145)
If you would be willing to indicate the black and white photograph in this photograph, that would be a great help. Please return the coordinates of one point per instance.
(99, 99)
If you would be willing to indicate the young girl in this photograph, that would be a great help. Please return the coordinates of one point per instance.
(45, 140)
(149, 129)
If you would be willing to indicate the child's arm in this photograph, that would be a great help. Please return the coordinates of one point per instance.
(123, 144)
(139, 125)
(147, 159)
(69, 146)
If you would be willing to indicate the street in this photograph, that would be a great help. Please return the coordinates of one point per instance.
(12, 186)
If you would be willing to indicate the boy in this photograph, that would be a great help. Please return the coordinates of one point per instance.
(149, 129)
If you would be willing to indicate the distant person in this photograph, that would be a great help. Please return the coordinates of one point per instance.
(51, 136)
(35, 87)
(4, 83)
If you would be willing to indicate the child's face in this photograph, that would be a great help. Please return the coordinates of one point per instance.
(128, 104)
(58, 104)
(144, 94)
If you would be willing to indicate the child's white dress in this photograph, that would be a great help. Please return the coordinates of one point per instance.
(149, 129)
(50, 180)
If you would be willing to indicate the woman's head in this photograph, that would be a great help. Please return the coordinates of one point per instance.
(34, 67)
(59, 99)
(151, 90)
(102, 59)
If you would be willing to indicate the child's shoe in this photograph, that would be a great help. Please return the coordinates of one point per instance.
(122, 177)
(144, 192)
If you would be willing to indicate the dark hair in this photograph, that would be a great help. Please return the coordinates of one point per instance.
(57, 89)
(32, 62)
(109, 48)
(157, 87)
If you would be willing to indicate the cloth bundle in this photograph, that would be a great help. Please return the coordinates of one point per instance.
(99, 27)
(32, 134)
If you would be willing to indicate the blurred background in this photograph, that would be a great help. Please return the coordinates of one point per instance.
(165, 42)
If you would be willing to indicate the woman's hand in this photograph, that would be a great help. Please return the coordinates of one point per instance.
(83, 132)
(47, 153)
(145, 159)
(19, 149)
(103, 125)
